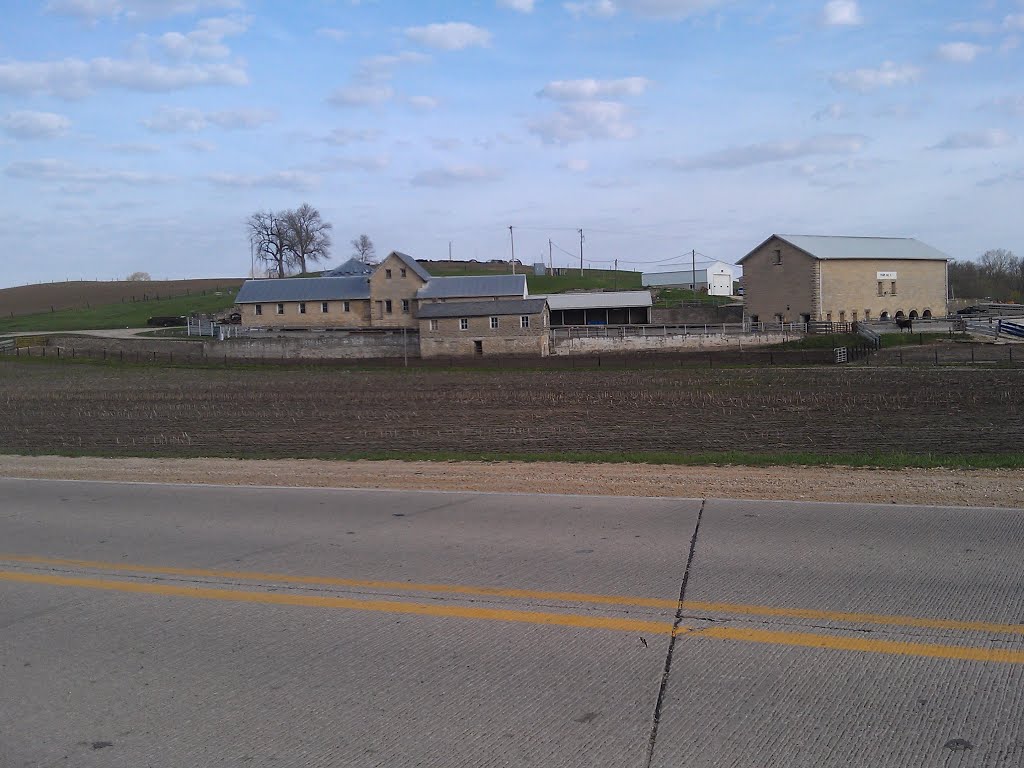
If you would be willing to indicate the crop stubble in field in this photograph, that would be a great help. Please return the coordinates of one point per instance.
(303, 412)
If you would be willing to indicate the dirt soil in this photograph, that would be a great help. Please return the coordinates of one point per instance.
(969, 488)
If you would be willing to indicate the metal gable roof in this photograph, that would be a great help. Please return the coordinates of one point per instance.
(530, 306)
(470, 286)
(351, 267)
(303, 289)
(828, 247)
(599, 300)
(412, 264)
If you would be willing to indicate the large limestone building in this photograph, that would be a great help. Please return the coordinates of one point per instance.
(803, 278)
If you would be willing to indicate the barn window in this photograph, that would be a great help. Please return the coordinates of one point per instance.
(280, 309)
(259, 309)
(494, 323)
(524, 321)
(387, 306)
(302, 307)
(323, 307)
(387, 273)
(892, 291)
(777, 257)
(405, 303)
(880, 292)
(433, 325)
(401, 273)
(346, 306)
(463, 323)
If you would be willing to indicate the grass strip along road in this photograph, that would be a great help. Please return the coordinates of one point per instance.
(583, 618)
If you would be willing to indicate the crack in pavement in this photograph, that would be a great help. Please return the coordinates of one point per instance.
(672, 640)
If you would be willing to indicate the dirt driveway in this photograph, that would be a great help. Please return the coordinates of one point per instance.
(973, 488)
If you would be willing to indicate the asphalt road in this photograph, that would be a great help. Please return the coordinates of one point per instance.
(156, 625)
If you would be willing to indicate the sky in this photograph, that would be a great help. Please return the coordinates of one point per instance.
(139, 135)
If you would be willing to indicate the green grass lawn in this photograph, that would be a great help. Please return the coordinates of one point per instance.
(907, 339)
(673, 297)
(569, 280)
(121, 315)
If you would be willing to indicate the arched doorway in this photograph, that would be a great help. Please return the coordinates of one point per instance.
(899, 314)
(884, 316)
(927, 314)
(913, 314)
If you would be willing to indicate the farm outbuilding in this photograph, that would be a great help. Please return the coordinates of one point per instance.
(479, 328)
(600, 308)
(803, 278)
(323, 302)
(716, 278)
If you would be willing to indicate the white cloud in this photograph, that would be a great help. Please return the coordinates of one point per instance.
(601, 9)
(445, 144)
(989, 139)
(450, 36)
(1015, 21)
(75, 78)
(188, 120)
(1007, 105)
(361, 95)
(887, 75)
(982, 28)
(654, 9)
(423, 103)
(770, 152)
(589, 89)
(960, 53)
(331, 33)
(834, 111)
(576, 164)
(49, 169)
(93, 10)
(135, 148)
(454, 175)
(25, 124)
(294, 180)
(841, 13)
(206, 41)
(367, 163)
(1010, 177)
(376, 68)
(523, 6)
(199, 145)
(344, 136)
(581, 120)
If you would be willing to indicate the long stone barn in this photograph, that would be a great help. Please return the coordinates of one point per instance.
(804, 278)
(482, 328)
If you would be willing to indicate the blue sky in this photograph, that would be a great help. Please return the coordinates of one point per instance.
(140, 134)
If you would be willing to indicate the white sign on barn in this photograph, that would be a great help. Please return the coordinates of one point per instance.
(885, 276)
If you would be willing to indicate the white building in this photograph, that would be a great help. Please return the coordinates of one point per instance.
(716, 277)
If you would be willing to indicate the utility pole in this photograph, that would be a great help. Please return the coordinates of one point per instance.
(551, 263)
(581, 252)
(616, 282)
(449, 250)
(693, 272)
(512, 240)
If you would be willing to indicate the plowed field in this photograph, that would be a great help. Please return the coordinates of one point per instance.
(303, 412)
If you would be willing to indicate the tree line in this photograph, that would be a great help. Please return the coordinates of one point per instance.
(285, 242)
(998, 275)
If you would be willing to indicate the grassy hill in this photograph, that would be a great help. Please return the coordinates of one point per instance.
(569, 280)
(86, 294)
(126, 314)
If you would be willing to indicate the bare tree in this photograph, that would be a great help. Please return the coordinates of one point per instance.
(364, 250)
(308, 235)
(138, 277)
(268, 234)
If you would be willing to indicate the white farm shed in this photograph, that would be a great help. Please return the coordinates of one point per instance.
(717, 277)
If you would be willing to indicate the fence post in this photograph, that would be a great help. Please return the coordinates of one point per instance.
(936, 355)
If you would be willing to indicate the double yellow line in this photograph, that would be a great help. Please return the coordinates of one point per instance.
(583, 621)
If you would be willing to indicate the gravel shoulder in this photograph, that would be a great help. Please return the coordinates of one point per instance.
(970, 488)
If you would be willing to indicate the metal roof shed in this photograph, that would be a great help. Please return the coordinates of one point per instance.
(600, 308)
(473, 287)
(303, 289)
